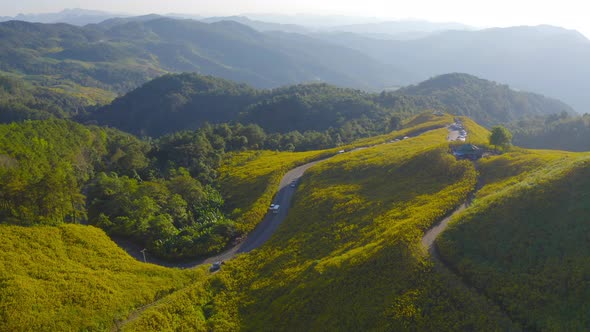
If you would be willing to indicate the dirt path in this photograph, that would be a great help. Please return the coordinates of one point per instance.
(433, 233)
(443, 268)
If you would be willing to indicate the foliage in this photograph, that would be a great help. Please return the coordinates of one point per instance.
(500, 136)
(348, 256)
(50, 171)
(486, 102)
(175, 218)
(119, 55)
(20, 100)
(523, 242)
(43, 167)
(309, 116)
(250, 179)
(557, 131)
(74, 277)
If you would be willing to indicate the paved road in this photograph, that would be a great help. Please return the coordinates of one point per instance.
(265, 229)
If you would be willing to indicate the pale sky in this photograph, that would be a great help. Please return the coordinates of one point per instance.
(573, 14)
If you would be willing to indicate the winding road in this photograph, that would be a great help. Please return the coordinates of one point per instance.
(266, 228)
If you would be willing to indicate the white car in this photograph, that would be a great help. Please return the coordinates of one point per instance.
(274, 208)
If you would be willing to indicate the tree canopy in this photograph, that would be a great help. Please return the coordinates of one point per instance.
(500, 136)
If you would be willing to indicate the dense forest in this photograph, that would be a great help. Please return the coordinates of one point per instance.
(121, 54)
(162, 194)
(187, 101)
(487, 102)
(556, 131)
(22, 100)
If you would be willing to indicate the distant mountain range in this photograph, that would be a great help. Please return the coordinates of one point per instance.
(121, 53)
(545, 59)
(75, 16)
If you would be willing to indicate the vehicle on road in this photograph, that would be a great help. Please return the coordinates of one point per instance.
(274, 208)
(216, 266)
(293, 184)
(341, 151)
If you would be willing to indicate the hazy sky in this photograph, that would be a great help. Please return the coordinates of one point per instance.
(573, 14)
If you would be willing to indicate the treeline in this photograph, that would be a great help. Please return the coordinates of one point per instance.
(486, 102)
(557, 131)
(187, 101)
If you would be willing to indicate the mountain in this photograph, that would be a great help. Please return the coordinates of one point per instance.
(120, 54)
(400, 30)
(259, 25)
(187, 101)
(544, 59)
(488, 102)
(74, 16)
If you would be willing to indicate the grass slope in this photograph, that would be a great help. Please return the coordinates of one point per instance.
(74, 278)
(348, 255)
(250, 179)
(524, 242)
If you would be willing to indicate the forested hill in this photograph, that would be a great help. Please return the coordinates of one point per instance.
(186, 101)
(486, 101)
(119, 55)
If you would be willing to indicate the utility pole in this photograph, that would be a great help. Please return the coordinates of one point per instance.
(143, 252)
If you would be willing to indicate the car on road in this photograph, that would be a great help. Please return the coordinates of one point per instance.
(274, 208)
(293, 184)
(216, 266)
(341, 151)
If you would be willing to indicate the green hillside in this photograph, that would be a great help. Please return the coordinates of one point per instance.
(348, 255)
(74, 278)
(524, 240)
(121, 54)
(187, 101)
(557, 131)
(484, 101)
(22, 100)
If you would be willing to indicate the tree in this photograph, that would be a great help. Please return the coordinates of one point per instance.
(395, 123)
(500, 137)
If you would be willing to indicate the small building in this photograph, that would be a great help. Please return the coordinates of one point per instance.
(467, 151)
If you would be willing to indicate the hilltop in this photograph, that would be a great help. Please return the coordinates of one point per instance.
(187, 101)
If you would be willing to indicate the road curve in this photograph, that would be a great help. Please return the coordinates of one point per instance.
(263, 231)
